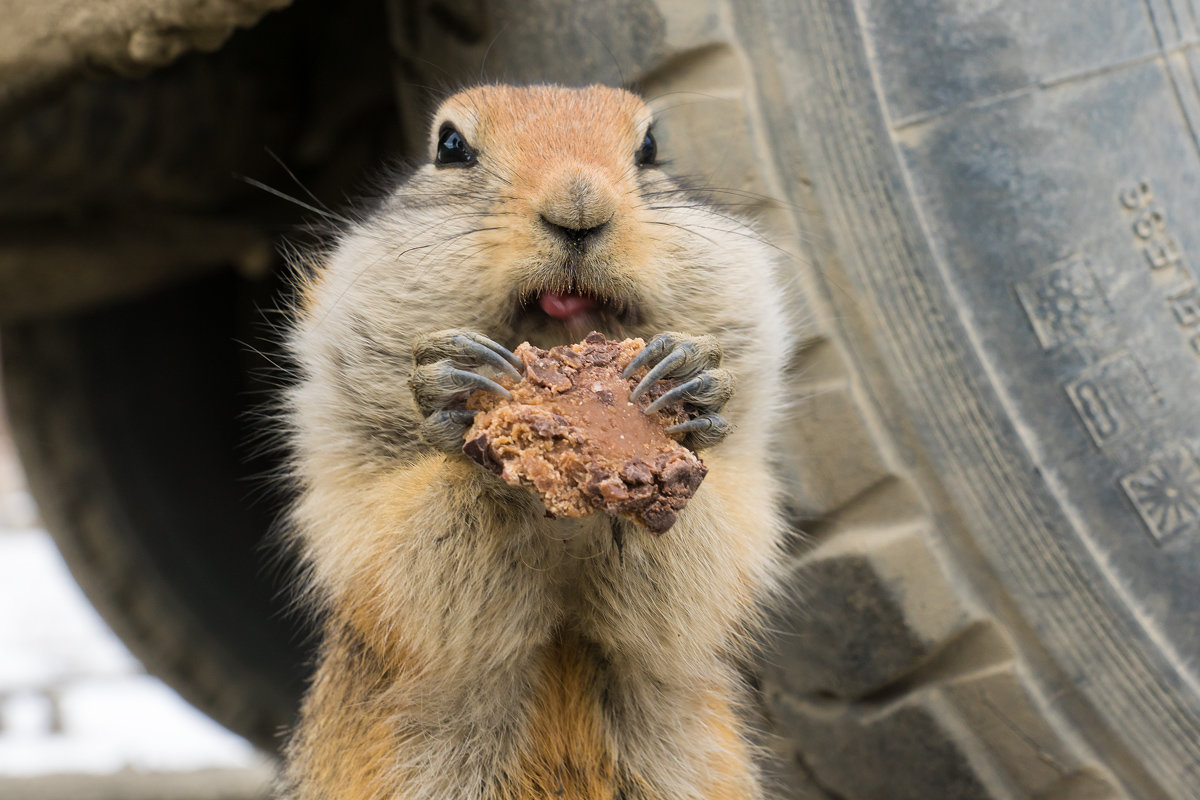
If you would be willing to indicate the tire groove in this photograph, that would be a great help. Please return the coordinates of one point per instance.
(888, 270)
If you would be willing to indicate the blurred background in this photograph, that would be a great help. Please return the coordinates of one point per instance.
(988, 214)
(79, 715)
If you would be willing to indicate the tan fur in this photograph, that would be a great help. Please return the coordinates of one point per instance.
(569, 753)
(473, 648)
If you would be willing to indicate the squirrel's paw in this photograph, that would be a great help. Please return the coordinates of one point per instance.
(705, 386)
(443, 376)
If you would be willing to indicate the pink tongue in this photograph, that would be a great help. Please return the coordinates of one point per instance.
(565, 306)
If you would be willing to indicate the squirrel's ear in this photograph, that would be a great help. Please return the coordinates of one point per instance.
(452, 148)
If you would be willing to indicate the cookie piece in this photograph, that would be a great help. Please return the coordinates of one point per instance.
(571, 434)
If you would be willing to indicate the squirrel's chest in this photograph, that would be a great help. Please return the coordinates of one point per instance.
(571, 541)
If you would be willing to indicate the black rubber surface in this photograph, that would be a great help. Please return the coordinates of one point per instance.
(139, 420)
(140, 425)
(1012, 197)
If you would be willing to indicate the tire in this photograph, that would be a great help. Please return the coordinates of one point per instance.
(994, 459)
(133, 425)
(995, 454)
(1007, 274)
(137, 338)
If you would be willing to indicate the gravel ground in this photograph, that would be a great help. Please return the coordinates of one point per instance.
(79, 716)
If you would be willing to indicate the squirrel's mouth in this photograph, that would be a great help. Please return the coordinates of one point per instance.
(575, 313)
(567, 306)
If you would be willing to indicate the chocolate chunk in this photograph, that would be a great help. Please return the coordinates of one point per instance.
(476, 449)
(603, 394)
(659, 517)
(547, 425)
(547, 372)
(613, 491)
(567, 356)
(637, 472)
(640, 497)
(571, 434)
(681, 477)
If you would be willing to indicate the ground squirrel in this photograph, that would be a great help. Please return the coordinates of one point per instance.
(471, 646)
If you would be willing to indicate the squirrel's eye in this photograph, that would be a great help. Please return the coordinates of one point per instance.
(452, 149)
(648, 152)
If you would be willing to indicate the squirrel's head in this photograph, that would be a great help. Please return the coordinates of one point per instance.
(558, 178)
(539, 213)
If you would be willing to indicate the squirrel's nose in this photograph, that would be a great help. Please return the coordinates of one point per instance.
(577, 237)
(577, 206)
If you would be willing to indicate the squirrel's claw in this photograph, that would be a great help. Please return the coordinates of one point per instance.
(709, 391)
(673, 355)
(436, 386)
(703, 431)
(443, 376)
(705, 387)
(444, 429)
(466, 346)
(660, 370)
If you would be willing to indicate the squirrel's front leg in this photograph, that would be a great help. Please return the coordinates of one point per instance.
(673, 612)
(437, 603)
